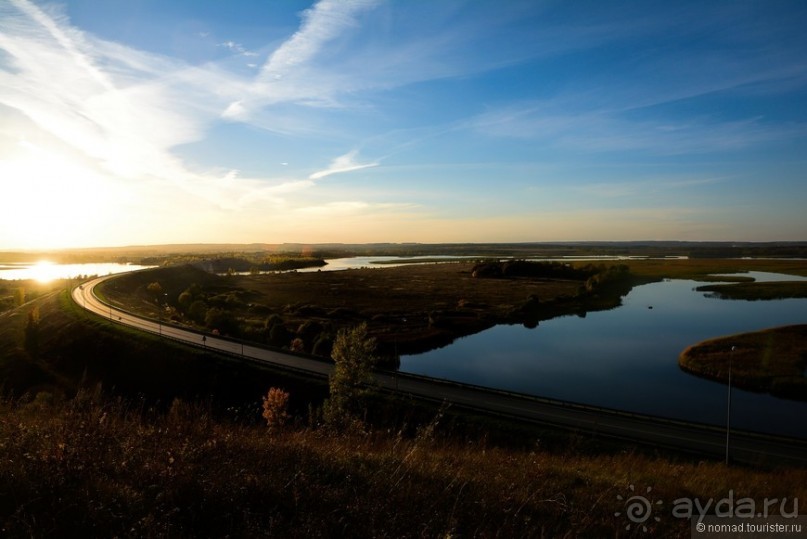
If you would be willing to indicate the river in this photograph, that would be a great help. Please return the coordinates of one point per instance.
(627, 358)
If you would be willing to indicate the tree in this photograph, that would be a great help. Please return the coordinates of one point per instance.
(353, 356)
(185, 300)
(275, 408)
(279, 335)
(221, 320)
(32, 333)
(323, 346)
(19, 296)
(198, 311)
(155, 288)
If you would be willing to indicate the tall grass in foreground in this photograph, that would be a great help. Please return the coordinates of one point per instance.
(90, 468)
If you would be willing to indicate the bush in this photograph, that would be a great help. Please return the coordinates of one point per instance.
(309, 330)
(323, 347)
(32, 333)
(185, 300)
(275, 408)
(297, 345)
(198, 311)
(221, 320)
(279, 335)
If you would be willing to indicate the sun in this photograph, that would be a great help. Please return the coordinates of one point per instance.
(50, 201)
(44, 271)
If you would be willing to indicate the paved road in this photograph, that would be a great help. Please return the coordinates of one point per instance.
(705, 440)
(85, 297)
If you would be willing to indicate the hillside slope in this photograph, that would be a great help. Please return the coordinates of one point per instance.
(79, 463)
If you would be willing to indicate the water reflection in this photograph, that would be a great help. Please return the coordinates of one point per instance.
(45, 271)
(764, 276)
(626, 358)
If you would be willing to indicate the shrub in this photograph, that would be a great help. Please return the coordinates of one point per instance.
(275, 408)
(32, 333)
(298, 345)
(309, 330)
(279, 335)
(185, 300)
(222, 320)
(323, 346)
(198, 311)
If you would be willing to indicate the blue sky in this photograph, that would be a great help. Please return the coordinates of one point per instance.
(145, 121)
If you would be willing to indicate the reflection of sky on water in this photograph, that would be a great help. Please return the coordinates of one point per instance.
(626, 358)
(44, 271)
(764, 276)
(354, 262)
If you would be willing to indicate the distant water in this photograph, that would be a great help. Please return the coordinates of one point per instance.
(356, 262)
(44, 271)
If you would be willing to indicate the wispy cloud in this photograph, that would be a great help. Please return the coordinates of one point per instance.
(286, 76)
(152, 127)
(343, 163)
(111, 107)
(322, 23)
(666, 100)
(125, 111)
(604, 130)
(237, 48)
(120, 114)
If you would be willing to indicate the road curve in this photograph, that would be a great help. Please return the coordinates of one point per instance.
(707, 440)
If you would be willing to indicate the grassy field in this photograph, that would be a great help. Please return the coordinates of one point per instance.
(97, 468)
(772, 360)
(14, 293)
(757, 291)
(702, 269)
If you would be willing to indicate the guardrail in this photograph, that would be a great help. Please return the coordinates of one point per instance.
(592, 408)
(129, 315)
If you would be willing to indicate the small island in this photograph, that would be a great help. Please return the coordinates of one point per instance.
(772, 360)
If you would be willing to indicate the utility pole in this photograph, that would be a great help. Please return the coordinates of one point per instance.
(728, 406)
(160, 309)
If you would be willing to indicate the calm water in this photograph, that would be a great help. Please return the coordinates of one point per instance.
(627, 358)
(47, 271)
(355, 262)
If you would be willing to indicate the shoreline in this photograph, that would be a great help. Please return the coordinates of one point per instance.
(772, 360)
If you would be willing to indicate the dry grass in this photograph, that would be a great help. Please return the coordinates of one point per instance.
(94, 469)
(772, 360)
(408, 309)
(701, 268)
(400, 289)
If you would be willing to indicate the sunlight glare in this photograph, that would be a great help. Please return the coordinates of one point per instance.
(53, 201)
(44, 271)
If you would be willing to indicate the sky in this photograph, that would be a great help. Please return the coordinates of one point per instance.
(135, 122)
